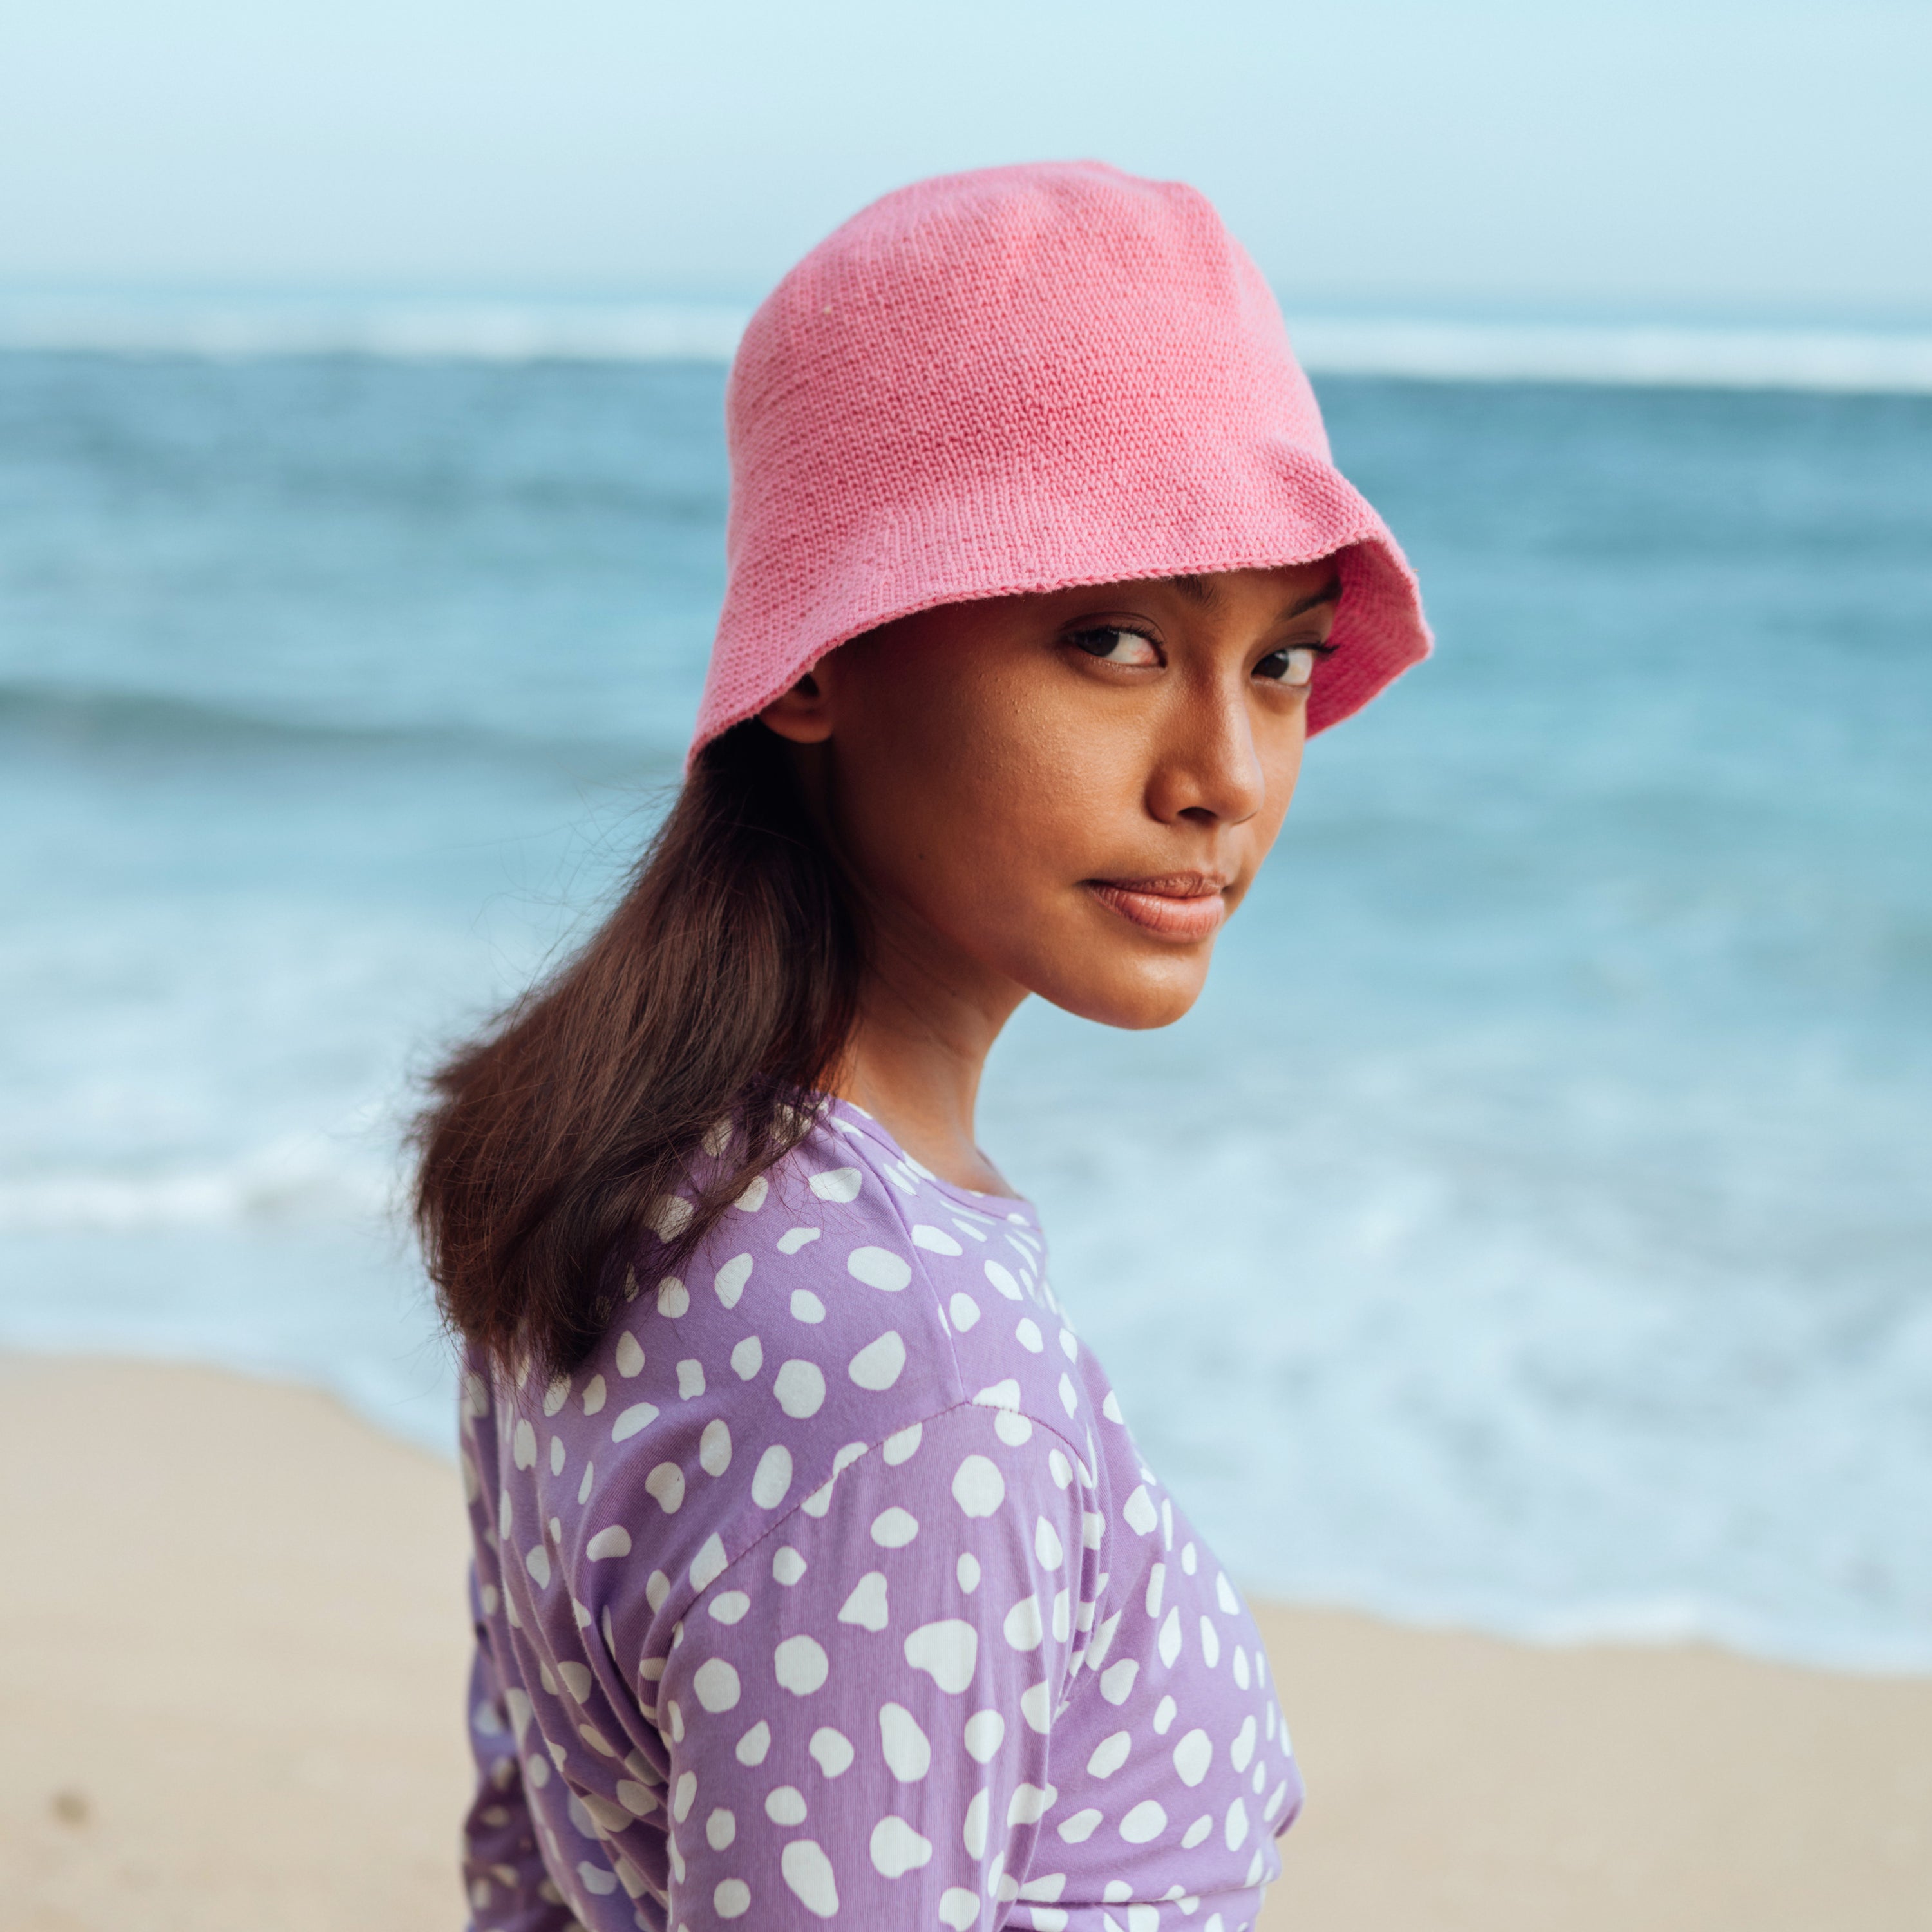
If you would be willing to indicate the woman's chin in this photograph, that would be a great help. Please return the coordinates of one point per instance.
(1135, 995)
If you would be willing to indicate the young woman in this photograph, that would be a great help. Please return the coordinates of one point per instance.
(818, 1577)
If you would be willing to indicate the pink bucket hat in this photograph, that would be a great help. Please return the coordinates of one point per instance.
(1024, 378)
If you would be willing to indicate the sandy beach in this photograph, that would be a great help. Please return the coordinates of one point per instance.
(232, 1641)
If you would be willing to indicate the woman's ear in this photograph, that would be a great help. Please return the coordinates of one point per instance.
(804, 713)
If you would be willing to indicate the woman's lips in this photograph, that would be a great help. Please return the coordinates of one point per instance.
(1186, 905)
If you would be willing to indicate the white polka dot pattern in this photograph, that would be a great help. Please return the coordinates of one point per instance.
(787, 1633)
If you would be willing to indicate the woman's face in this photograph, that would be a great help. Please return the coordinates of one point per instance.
(1068, 793)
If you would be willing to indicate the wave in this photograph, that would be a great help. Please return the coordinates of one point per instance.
(1839, 361)
(305, 1179)
(403, 331)
(1667, 1620)
(121, 720)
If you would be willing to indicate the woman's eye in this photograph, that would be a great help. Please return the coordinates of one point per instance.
(1294, 666)
(1113, 645)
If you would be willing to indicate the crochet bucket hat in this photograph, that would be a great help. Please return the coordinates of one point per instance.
(1025, 379)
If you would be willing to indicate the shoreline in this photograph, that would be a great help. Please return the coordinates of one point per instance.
(232, 1644)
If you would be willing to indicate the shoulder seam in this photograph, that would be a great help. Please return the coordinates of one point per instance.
(919, 1262)
(932, 1289)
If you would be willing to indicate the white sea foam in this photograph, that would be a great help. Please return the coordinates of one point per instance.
(305, 1179)
(403, 330)
(1395, 1369)
(1843, 360)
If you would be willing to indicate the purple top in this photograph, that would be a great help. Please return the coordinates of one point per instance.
(832, 1589)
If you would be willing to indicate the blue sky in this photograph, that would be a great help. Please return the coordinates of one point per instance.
(1698, 157)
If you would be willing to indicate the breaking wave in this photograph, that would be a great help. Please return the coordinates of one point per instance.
(1836, 360)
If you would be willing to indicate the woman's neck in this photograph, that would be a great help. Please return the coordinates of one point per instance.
(925, 1026)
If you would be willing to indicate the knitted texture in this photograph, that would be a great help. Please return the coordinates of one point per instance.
(1023, 379)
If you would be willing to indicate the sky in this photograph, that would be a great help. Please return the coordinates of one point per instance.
(1699, 158)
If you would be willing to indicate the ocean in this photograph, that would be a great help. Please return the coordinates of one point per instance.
(1530, 1229)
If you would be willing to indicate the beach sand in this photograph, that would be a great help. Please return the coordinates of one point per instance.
(232, 1644)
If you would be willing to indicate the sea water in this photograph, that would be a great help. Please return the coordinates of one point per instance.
(1530, 1228)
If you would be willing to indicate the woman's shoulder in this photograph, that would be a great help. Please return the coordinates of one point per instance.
(844, 1219)
(804, 1328)
(846, 1296)
(811, 1295)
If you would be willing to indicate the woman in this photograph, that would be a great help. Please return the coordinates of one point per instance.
(817, 1578)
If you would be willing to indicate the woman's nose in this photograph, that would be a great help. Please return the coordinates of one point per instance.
(1210, 768)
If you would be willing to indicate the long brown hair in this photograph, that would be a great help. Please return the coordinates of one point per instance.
(659, 1065)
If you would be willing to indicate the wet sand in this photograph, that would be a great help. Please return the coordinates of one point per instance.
(232, 1643)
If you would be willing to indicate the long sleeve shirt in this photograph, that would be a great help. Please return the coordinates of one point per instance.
(833, 1590)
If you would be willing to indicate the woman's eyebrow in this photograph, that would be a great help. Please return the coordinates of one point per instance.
(1328, 594)
(1199, 590)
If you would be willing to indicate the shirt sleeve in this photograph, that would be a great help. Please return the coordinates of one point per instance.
(503, 1873)
(859, 1710)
